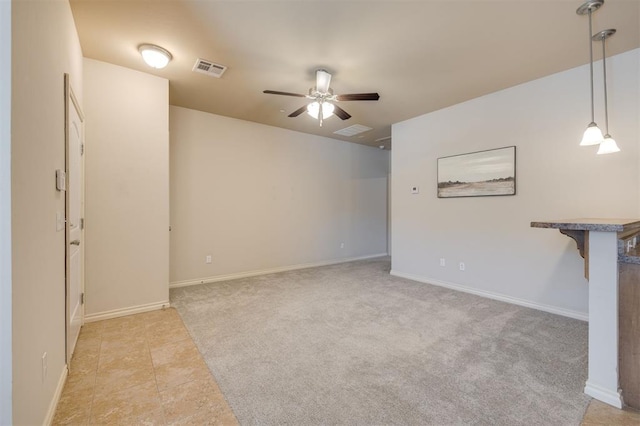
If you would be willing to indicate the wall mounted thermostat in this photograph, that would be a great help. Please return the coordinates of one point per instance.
(61, 180)
(415, 190)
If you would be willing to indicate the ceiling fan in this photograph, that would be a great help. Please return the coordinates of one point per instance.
(323, 99)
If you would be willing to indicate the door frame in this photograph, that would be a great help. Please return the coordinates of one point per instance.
(6, 361)
(69, 100)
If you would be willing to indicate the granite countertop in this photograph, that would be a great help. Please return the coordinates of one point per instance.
(624, 226)
(590, 224)
(629, 258)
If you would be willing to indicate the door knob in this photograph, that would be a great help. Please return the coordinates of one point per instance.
(75, 243)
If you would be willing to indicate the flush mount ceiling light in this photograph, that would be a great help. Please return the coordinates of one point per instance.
(608, 145)
(592, 135)
(154, 56)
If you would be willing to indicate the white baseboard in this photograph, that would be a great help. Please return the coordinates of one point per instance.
(496, 296)
(51, 412)
(613, 398)
(248, 274)
(115, 313)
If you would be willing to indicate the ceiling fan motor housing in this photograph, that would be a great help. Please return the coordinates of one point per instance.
(314, 93)
(323, 81)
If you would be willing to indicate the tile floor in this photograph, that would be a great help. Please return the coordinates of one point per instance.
(145, 370)
(141, 369)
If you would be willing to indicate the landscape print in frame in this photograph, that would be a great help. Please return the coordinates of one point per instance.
(478, 174)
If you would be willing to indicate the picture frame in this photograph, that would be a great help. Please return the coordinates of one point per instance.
(486, 173)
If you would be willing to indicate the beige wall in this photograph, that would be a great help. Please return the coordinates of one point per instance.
(556, 179)
(259, 198)
(44, 47)
(5, 213)
(127, 189)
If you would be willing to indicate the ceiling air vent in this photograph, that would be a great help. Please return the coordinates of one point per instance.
(352, 130)
(209, 68)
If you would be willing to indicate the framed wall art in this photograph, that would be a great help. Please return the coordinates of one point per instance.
(478, 174)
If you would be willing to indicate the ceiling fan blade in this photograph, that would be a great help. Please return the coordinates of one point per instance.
(358, 97)
(323, 80)
(298, 111)
(275, 92)
(342, 114)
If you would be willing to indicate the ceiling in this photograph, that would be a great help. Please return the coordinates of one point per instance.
(420, 56)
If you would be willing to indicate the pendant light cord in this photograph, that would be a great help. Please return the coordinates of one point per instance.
(604, 76)
(591, 67)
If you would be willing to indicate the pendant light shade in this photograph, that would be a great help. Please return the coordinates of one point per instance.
(313, 109)
(608, 146)
(592, 135)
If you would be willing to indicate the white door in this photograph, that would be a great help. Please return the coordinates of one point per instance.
(74, 206)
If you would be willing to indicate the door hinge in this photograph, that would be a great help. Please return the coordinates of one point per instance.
(82, 298)
(81, 223)
(81, 149)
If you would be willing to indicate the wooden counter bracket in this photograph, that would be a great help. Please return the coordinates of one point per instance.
(582, 241)
(578, 237)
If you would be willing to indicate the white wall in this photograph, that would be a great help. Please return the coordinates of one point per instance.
(556, 179)
(44, 47)
(259, 198)
(127, 189)
(5, 213)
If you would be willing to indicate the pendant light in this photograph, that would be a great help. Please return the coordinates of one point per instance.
(592, 135)
(609, 145)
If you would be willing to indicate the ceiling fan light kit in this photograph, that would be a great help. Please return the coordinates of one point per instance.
(314, 108)
(593, 135)
(323, 99)
(154, 56)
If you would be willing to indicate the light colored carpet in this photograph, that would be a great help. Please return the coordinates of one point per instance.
(350, 344)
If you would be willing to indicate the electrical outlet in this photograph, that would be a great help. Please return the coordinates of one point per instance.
(442, 261)
(208, 259)
(462, 266)
(44, 366)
